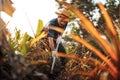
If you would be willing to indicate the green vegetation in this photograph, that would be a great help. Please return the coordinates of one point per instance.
(92, 51)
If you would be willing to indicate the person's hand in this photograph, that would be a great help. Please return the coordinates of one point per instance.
(54, 53)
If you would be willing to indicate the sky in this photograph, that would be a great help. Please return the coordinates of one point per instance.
(27, 14)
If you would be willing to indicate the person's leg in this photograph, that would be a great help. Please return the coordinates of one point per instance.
(62, 49)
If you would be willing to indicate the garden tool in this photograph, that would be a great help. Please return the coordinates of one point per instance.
(55, 52)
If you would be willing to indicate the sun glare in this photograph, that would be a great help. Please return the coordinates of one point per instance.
(27, 14)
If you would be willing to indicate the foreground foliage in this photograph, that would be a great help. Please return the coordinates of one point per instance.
(85, 62)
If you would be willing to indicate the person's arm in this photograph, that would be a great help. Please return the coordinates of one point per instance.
(51, 34)
(51, 43)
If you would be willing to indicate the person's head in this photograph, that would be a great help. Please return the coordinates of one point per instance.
(63, 16)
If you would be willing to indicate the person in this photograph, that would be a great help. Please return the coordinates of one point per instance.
(54, 37)
(63, 17)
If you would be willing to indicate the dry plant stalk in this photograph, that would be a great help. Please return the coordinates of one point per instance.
(88, 25)
(92, 48)
(105, 44)
(112, 32)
